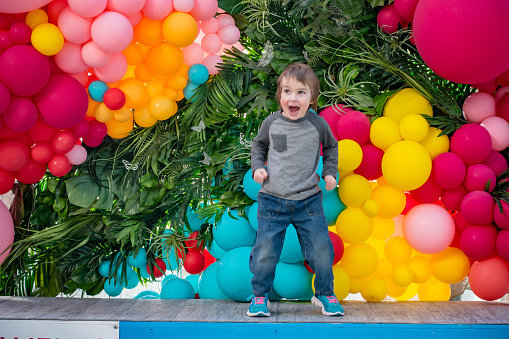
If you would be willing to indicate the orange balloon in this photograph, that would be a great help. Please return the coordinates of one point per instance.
(170, 93)
(135, 92)
(143, 117)
(143, 73)
(154, 88)
(103, 113)
(180, 95)
(180, 29)
(133, 54)
(123, 114)
(164, 59)
(149, 32)
(119, 130)
(177, 81)
(92, 104)
(161, 107)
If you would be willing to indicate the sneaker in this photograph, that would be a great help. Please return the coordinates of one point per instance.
(329, 304)
(259, 307)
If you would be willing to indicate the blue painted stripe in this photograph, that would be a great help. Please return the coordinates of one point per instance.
(137, 330)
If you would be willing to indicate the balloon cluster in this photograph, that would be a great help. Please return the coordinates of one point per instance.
(7, 231)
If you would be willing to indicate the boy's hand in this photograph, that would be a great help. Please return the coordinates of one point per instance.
(260, 175)
(330, 182)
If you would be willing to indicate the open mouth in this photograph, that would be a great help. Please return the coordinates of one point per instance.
(293, 109)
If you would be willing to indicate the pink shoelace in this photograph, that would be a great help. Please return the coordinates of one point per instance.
(260, 300)
(332, 300)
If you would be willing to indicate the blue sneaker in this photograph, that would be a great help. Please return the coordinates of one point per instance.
(259, 307)
(329, 304)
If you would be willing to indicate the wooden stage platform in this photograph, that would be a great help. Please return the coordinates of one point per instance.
(147, 318)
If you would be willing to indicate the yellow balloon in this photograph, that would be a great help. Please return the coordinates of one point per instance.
(135, 92)
(349, 155)
(402, 275)
(434, 290)
(421, 268)
(450, 266)
(164, 59)
(393, 290)
(103, 113)
(382, 228)
(47, 39)
(36, 17)
(384, 132)
(356, 285)
(177, 81)
(122, 115)
(154, 88)
(406, 101)
(143, 73)
(143, 118)
(374, 289)
(397, 250)
(370, 208)
(343, 174)
(378, 245)
(133, 54)
(384, 268)
(149, 32)
(180, 29)
(391, 201)
(342, 282)
(119, 130)
(359, 260)
(435, 144)
(354, 190)
(406, 165)
(161, 107)
(170, 93)
(353, 226)
(410, 292)
(413, 127)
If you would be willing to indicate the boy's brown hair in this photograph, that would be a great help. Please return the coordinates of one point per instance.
(304, 74)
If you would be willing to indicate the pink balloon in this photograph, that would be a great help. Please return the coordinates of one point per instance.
(183, 5)
(210, 26)
(93, 56)
(428, 228)
(81, 77)
(479, 106)
(41, 152)
(112, 32)
(77, 155)
(387, 19)
(63, 102)
(225, 19)
(477, 208)
(69, 59)
(489, 279)
(405, 9)
(211, 62)
(5, 98)
(498, 128)
(126, 7)
(21, 114)
(451, 198)
(31, 173)
(458, 56)
(6, 230)
(204, 9)
(501, 219)
(157, 9)
(193, 54)
(503, 244)
(54, 9)
(448, 170)
(5, 41)
(472, 143)
(21, 6)
(229, 34)
(211, 43)
(75, 28)
(23, 70)
(97, 130)
(135, 18)
(13, 155)
(20, 33)
(478, 176)
(428, 193)
(371, 164)
(354, 125)
(479, 242)
(496, 162)
(113, 71)
(89, 8)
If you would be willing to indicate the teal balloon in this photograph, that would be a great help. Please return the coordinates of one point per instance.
(167, 277)
(177, 288)
(132, 282)
(147, 295)
(189, 90)
(231, 233)
(291, 252)
(319, 171)
(139, 260)
(193, 279)
(112, 289)
(129, 274)
(104, 268)
(233, 274)
(250, 187)
(171, 260)
(291, 280)
(252, 215)
(194, 222)
(208, 287)
(198, 74)
(332, 207)
(309, 294)
(144, 273)
(215, 250)
(96, 90)
(273, 296)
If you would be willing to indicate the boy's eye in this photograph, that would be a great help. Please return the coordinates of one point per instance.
(286, 91)
(302, 92)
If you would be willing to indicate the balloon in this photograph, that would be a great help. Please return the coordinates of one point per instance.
(69, 59)
(23, 70)
(421, 267)
(135, 92)
(210, 26)
(31, 173)
(428, 228)
(97, 89)
(113, 289)
(97, 129)
(21, 6)
(434, 144)
(370, 208)
(479, 242)
(502, 244)
(189, 90)
(470, 64)
(93, 56)
(211, 43)
(353, 226)
(434, 290)
(204, 9)
(371, 164)
(208, 287)
(126, 7)
(350, 154)
(193, 54)
(158, 268)
(478, 106)
(331, 114)
(157, 9)
(339, 247)
(111, 31)
(384, 132)
(74, 27)
(6, 182)
(402, 275)
(342, 282)
(390, 200)
(354, 190)
(382, 228)
(405, 9)
(429, 192)
(119, 130)
(177, 288)
(59, 165)
(387, 19)
(114, 98)
(164, 59)
(452, 198)
(502, 220)
(332, 207)
(229, 34)
(139, 259)
(103, 113)
(47, 39)
(359, 260)
(448, 170)
(374, 289)
(233, 274)
(413, 127)
(194, 262)
(489, 279)
(180, 29)
(496, 162)
(478, 176)
(63, 102)
(149, 32)
(21, 115)
(230, 233)
(353, 125)
(450, 266)
(5, 98)
(498, 128)
(89, 9)
(291, 280)
(13, 155)
(250, 187)
(77, 155)
(211, 62)
(20, 33)
(406, 101)
(62, 142)
(40, 132)
(477, 208)
(198, 74)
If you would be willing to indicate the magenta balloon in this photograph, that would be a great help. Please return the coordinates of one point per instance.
(5, 41)
(477, 208)
(497, 162)
(81, 129)
(503, 107)
(478, 176)
(21, 114)
(502, 219)
(98, 130)
(24, 70)
(21, 6)
(20, 33)
(460, 221)
(472, 143)
(428, 193)
(6, 230)
(451, 198)
(92, 142)
(460, 40)
(448, 170)
(331, 114)
(63, 102)
(479, 106)
(479, 242)
(354, 125)
(5, 98)
(503, 79)
(428, 228)
(405, 9)
(371, 164)
(503, 244)
(387, 19)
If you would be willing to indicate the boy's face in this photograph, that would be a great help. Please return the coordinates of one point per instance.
(295, 98)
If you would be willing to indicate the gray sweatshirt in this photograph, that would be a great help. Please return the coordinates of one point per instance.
(292, 151)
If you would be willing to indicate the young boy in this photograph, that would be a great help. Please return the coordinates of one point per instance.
(289, 141)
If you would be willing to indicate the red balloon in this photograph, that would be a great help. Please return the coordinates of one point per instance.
(371, 164)
(489, 279)
(114, 98)
(41, 132)
(452, 198)
(194, 262)
(209, 259)
(429, 192)
(503, 244)
(158, 272)
(354, 125)
(42, 152)
(6, 181)
(13, 155)
(31, 173)
(193, 244)
(62, 142)
(479, 242)
(460, 222)
(21, 115)
(339, 247)
(59, 165)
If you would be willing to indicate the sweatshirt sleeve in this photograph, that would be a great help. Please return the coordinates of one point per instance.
(330, 151)
(260, 146)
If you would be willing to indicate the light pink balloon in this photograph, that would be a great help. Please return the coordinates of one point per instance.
(126, 7)
(428, 228)
(75, 28)
(211, 62)
(157, 9)
(211, 43)
(479, 106)
(229, 34)
(21, 6)
(210, 26)
(69, 59)
(183, 5)
(6, 230)
(225, 19)
(77, 155)
(112, 32)
(89, 8)
(204, 9)
(193, 54)
(114, 70)
(499, 132)
(93, 56)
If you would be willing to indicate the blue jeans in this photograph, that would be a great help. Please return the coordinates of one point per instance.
(274, 216)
